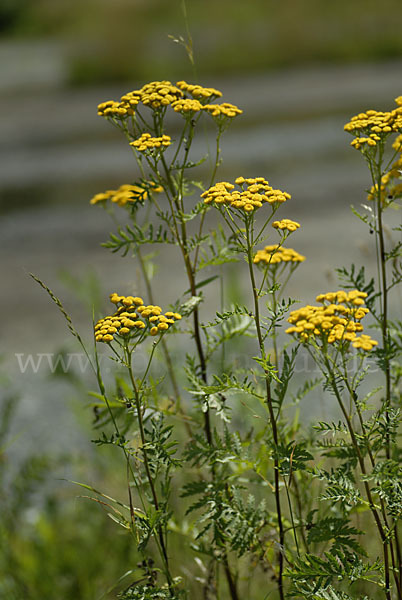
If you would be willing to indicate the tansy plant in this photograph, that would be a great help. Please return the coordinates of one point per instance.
(232, 491)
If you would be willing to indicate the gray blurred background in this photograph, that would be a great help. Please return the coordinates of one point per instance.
(298, 71)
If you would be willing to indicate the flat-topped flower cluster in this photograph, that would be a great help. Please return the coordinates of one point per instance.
(286, 225)
(338, 319)
(182, 97)
(253, 193)
(127, 194)
(373, 126)
(275, 254)
(147, 142)
(131, 318)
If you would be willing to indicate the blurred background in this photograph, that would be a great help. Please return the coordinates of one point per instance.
(299, 70)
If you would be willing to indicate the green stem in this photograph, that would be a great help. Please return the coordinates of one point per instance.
(165, 350)
(383, 536)
(116, 427)
(300, 512)
(385, 334)
(291, 515)
(270, 410)
(137, 398)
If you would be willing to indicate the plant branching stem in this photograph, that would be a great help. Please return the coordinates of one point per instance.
(177, 209)
(147, 469)
(383, 535)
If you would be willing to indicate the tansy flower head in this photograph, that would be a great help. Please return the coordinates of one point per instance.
(286, 225)
(199, 92)
(127, 194)
(354, 297)
(147, 142)
(374, 125)
(116, 110)
(275, 254)
(187, 105)
(222, 111)
(336, 321)
(133, 320)
(253, 193)
(359, 142)
(397, 145)
(365, 342)
(158, 94)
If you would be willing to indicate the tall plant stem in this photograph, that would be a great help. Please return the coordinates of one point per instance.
(375, 167)
(270, 411)
(384, 297)
(207, 422)
(166, 353)
(229, 577)
(176, 202)
(396, 567)
(165, 349)
(383, 536)
(181, 238)
(147, 469)
(376, 173)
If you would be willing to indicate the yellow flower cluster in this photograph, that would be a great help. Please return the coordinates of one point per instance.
(126, 194)
(397, 145)
(112, 108)
(275, 254)
(337, 320)
(286, 225)
(147, 142)
(159, 94)
(131, 317)
(375, 125)
(186, 105)
(370, 141)
(223, 110)
(155, 94)
(365, 342)
(197, 91)
(254, 193)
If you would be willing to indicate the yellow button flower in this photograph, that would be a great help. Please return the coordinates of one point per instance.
(286, 225)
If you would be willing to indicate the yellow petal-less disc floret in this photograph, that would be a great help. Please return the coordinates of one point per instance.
(336, 320)
(187, 105)
(147, 142)
(115, 110)
(224, 110)
(198, 91)
(286, 225)
(127, 194)
(253, 193)
(133, 319)
(372, 127)
(365, 342)
(274, 254)
(158, 94)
